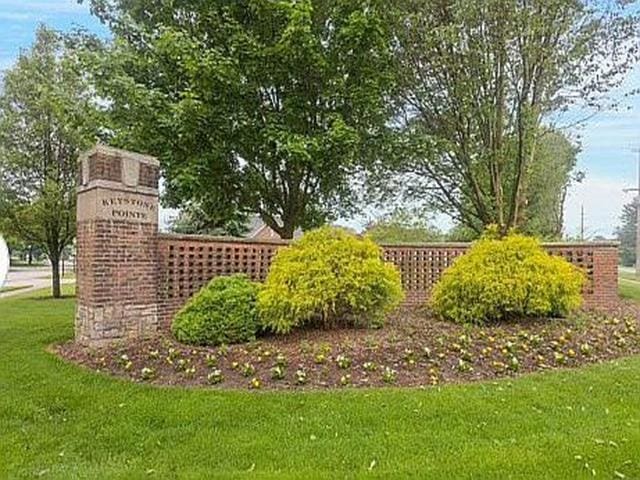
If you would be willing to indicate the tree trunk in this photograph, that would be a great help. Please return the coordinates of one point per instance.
(287, 231)
(30, 255)
(55, 277)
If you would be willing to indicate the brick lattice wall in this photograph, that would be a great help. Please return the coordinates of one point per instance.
(188, 262)
(132, 280)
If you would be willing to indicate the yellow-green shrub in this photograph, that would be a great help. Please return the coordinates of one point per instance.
(507, 278)
(328, 277)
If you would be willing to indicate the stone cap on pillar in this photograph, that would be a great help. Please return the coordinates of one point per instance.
(117, 169)
(117, 185)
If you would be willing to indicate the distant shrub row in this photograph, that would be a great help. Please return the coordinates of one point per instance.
(331, 278)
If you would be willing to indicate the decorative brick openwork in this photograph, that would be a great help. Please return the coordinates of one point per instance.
(188, 262)
(422, 265)
(132, 280)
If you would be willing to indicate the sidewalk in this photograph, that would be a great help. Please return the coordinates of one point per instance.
(33, 278)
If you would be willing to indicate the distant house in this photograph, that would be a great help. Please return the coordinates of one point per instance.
(261, 231)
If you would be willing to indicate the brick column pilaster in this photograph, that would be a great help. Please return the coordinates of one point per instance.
(116, 246)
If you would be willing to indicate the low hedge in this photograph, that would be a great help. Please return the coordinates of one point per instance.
(222, 312)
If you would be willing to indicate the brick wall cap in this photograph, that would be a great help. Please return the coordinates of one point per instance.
(221, 239)
(427, 245)
(112, 151)
(275, 241)
(603, 244)
(600, 244)
(118, 187)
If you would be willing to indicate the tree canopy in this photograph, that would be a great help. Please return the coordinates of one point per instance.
(551, 173)
(478, 83)
(47, 116)
(255, 107)
(626, 234)
(402, 226)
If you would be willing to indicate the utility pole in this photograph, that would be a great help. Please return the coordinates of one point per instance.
(637, 204)
(582, 222)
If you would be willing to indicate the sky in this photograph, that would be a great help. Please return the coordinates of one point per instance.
(607, 140)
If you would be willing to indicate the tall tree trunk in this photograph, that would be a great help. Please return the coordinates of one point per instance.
(55, 275)
(30, 255)
(287, 230)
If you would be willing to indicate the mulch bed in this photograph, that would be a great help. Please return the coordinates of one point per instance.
(412, 349)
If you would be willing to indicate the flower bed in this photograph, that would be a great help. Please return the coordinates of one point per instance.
(411, 350)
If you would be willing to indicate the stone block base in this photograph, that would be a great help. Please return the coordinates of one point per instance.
(96, 326)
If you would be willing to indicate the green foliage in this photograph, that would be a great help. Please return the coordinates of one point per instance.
(223, 312)
(402, 227)
(48, 115)
(550, 175)
(506, 278)
(328, 277)
(461, 233)
(626, 234)
(499, 69)
(193, 219)
(263, 107)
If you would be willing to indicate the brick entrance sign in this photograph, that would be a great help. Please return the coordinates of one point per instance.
(117, 278)
(132, 280)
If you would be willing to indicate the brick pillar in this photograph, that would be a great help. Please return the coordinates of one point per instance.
(116, 246)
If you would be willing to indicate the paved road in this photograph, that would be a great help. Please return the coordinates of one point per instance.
(34, 278)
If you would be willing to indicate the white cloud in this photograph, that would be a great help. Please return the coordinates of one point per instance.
(603, 199)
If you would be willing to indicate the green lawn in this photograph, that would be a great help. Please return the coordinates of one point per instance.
(629, 286)
(61, 421)
(66, 276)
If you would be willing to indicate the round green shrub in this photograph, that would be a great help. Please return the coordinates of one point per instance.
(507, 278)
(327, 278)
(224, 311)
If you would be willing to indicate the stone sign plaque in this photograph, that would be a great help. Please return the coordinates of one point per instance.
(103, 204)
(121, 207)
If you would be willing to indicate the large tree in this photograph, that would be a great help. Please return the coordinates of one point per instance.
(626, 234)
(259, 107)
(550, 175)
(47, 116)
(479, 82)
(403, 226)
(193, 219)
